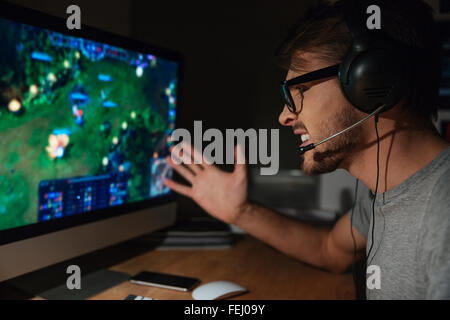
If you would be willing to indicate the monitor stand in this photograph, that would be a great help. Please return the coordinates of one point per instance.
(96, 276)
(91, 285)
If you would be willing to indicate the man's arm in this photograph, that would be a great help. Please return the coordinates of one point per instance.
(332, 250)
(224, 196)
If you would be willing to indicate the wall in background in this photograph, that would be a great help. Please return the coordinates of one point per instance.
(108, 15)
(231, 80)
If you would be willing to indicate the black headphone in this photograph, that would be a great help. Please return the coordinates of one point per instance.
(376, 71)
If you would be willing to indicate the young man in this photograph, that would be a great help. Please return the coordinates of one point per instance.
(405, 229)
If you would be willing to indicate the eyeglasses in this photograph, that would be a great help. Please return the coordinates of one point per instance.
(311, 76)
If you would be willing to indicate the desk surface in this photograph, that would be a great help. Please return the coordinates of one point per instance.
(265, 272)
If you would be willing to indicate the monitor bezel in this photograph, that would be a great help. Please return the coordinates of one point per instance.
(43, 20)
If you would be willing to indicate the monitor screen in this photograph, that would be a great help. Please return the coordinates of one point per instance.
(84, 125)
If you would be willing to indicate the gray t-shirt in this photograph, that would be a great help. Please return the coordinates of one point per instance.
(411, 234)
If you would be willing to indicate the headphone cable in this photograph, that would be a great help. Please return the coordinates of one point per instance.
(376, 189)
(351, 231)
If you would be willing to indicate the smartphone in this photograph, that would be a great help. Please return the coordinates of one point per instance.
(166, 281)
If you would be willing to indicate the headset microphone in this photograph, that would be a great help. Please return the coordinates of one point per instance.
(303, 150)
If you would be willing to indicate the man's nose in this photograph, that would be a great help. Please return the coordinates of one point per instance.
(287, 118)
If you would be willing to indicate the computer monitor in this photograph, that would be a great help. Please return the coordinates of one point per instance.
(85, 121)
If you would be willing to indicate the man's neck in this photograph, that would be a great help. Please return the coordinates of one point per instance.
(404, 150)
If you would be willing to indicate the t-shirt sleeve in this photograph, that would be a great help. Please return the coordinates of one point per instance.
(434, 241)
(362, 210)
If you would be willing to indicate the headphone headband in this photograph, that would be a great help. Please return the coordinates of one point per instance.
(375, 70)
(353, 13)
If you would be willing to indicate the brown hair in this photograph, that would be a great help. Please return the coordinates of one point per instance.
(324, 32)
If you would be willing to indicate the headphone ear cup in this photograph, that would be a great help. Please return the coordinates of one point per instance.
(374, 76)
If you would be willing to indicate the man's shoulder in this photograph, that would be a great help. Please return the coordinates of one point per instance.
(438, 206)
(441, 189)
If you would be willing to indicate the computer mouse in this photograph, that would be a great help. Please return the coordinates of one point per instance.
(218, 290)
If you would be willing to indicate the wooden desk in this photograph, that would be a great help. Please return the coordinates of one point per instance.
(265, 272)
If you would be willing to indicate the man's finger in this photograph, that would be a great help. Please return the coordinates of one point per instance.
(182, 170)
(239, 159)
(197, 156)
(179, 188)
(188, 159)
(180, 155)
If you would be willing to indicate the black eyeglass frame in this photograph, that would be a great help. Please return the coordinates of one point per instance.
(323, 73)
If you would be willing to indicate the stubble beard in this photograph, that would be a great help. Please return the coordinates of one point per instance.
(329, 156)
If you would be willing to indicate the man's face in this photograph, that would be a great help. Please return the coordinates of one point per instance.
(325, 112)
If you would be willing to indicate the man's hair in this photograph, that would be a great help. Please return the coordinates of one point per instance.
(324, 32)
